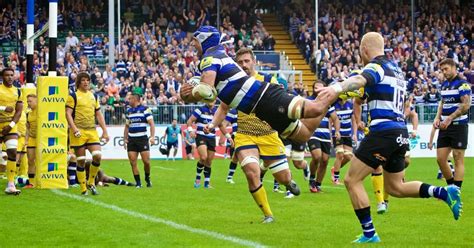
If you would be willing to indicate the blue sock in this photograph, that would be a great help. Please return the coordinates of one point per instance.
(207, 176)
(232, 168)
(427, 190)
(336, 175)
(199, 169)
(276, 185)
(365, 220)
(71, 171)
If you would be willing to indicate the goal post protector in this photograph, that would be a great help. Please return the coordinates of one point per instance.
(52, 136)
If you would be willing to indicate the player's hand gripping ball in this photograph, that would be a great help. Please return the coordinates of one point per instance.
(205, 91)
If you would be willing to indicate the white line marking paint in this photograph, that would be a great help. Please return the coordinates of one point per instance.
(169, 223)
(323, 186)
(163, 168)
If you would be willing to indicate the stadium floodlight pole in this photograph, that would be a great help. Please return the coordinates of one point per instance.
(218, 20)
(413, 29)
(111, 33)
(316, 30)
(119, 43)
(53, 36)
(30, 12)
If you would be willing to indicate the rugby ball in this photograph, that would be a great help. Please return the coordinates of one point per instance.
(207, 92)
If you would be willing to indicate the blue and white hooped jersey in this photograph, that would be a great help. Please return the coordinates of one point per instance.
(231, 117)
(137, 121)
(322, 133)
(344, 112)
(204, 116)
(385, 88)
(451, 93)
(234, 87)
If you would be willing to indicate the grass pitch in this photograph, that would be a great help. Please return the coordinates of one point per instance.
(172, 213)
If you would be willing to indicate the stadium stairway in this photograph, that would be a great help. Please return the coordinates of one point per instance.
(284, 44)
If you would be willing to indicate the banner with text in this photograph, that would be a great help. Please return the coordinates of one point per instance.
(51, 139)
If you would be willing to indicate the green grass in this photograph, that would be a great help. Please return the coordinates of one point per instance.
(43, 218)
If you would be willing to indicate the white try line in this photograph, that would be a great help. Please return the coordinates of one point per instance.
(169, 223)
(323, 186)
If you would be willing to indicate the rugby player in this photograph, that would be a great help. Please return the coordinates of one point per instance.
(11, 108)
(452, 120)
(292, 116)
(82, 111)
(387, 141)
(31, 127)
(136, 137)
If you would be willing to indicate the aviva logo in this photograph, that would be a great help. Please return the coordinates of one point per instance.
(52, 141)
(53, 90)
(52, 167)
(53, 116)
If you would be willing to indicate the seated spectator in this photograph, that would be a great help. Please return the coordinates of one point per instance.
(433, 96)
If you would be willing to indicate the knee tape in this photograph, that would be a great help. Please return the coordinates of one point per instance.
(262, 166)
(11, 144)
(81, 158)
(249, 160)
(279, 166)
(294, 127)
(297, 155)
(348, 153)
(96, 153)
(288, 151)
(295, 108)
(340, 149)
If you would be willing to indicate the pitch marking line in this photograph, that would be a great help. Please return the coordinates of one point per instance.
(163, 168)
(169, 223)
(325, 186)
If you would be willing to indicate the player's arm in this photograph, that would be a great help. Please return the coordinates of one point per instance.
(414, 121)
(18, 110)
(354, 128)
(336, 123)
(151, 122)
(27, 133)
(125, 134)
(7, 109)
(191, 120)
(101, 121)
(70, 121)
(432, 134)
(219, 116)
(437, 119)
(357, 113)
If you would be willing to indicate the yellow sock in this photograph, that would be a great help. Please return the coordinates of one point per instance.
(385, 196)
(377, 182)
(23, 166)
(260, 197)
(93, 169)
(81, 178)
(11, 170)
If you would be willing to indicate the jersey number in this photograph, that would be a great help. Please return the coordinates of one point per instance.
(399, 100)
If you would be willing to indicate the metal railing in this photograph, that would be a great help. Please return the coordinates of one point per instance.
(164, 114)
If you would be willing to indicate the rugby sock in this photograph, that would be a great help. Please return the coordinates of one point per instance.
(440, 174)
(318, 184)
(137, 179)
(451, 166)
(232, 167)
(385, 196)
(427, 191)
(199, 169)
(336, 175)
(207, 176)
(276, 185)
(71, 171)
(120, 181)
(81, 178)
(147, 177)
(450, 181)
(312, 177)
(260, 197)
(93, 169)
(11, 170)
(365, 220)
(458, 183)
(23, 166)
(377, 183)
(31, 177)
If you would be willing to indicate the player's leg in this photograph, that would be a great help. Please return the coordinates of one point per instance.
(81, 171)
(11, 144)
(354, 182)
(316, 155)
(72, 169)
(297, 155)
(458, 155)
(347, 155)
(115, 180)
(145, 155)
(31, 164)
(211, 150)
(175, 152)
(94, 168)
(323, 164)
(378, 185)
(442, 159)
(133, 157)
(249, 160)
(202, 151)
(3, 161)
(232, 167)
(335, 170)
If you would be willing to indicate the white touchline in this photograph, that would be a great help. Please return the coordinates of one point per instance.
(169, 223)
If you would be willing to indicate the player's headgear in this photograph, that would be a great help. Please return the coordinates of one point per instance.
(208, 36)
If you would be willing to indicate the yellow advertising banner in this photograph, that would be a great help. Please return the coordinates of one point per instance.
(51, 139)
